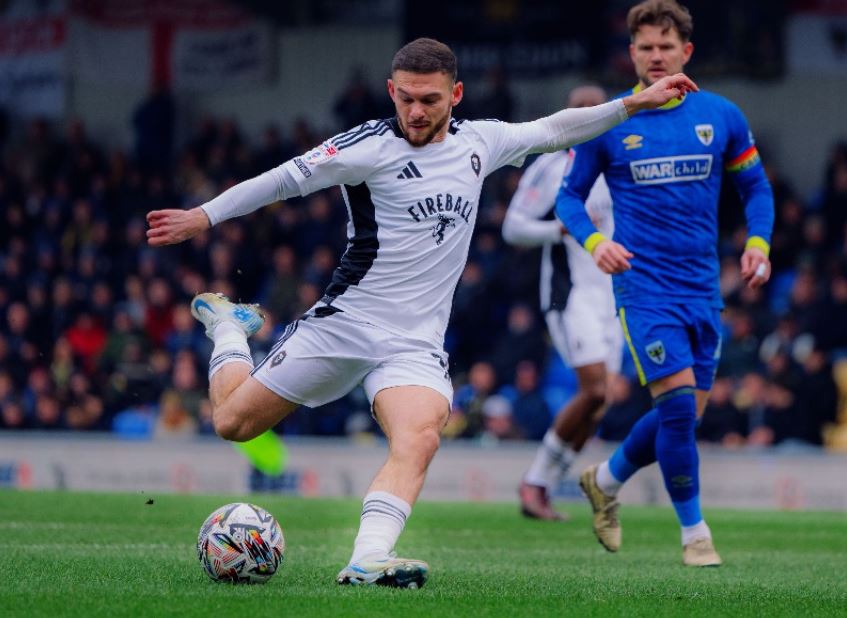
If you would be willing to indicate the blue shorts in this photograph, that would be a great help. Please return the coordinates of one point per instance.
(665, 340)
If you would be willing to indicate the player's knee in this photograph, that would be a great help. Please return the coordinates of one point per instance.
(679, 419)
(595, 393)
(229, 427)
(420, 445)
(430, 440)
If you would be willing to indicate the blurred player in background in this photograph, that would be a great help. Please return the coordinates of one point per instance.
(411, 185)
(664, 172)
(579, 307)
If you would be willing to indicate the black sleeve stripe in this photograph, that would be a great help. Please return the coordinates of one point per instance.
(355, 140)
(367, 126)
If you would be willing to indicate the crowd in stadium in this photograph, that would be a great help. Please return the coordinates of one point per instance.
(96, 333)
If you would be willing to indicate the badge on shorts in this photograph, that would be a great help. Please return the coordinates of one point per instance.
(276, 360)
(656, 352)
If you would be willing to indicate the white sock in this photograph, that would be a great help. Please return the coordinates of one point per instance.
(383, 519)
(552, 461)
(698, 531)
(230, 347)
(606, 481)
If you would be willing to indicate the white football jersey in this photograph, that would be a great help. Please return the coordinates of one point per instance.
(412, 211)
(535, 200)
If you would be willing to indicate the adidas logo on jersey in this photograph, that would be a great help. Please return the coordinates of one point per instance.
(410, 171)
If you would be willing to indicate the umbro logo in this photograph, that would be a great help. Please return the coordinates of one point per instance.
(410, 171)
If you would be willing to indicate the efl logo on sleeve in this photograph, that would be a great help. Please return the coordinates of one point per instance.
(321, 154)
(662, 170)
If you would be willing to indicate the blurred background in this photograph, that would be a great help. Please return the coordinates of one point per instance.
(110, 109)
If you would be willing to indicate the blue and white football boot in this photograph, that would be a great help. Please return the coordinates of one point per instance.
(391, 571)
(212, 308)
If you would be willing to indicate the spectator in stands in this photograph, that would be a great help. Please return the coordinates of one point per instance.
(173, 420)
(466, 419)
(12, 415)
(523, 340)
(530, 412)
(497, 420)
(357, 103)
(722, 422)
(279, 291)
(740, 353)
(154, 121)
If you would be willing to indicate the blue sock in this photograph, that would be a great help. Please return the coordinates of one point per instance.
(638, 449)
(676, 450)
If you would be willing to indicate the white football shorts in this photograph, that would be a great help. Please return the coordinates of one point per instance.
(327, 353)
(587, 331)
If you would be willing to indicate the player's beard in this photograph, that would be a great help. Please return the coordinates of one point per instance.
(429, 135)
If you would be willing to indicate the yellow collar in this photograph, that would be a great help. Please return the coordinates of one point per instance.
(669, 105)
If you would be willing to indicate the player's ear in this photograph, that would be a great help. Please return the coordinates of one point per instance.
(457, 93)
(390, 84)
(632, 52)
(687, 50)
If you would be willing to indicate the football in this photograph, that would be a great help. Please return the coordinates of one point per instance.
(240, 543)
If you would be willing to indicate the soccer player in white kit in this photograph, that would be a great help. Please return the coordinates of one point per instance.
(579, 307)
(412, 186)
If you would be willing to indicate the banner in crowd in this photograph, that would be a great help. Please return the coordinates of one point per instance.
(187, 44)
(529, 38)
(817, 37)
(33, 43)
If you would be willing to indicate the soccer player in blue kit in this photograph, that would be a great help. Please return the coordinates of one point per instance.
(664, 171)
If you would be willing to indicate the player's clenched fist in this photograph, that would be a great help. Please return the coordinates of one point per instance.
(755, 267)
(168, 227)
(611, 257)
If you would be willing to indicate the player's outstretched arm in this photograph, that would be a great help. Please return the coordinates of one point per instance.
(169, 227)
(661, 92)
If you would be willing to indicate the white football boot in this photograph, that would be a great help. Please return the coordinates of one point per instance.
(212, 308)
(392, 571)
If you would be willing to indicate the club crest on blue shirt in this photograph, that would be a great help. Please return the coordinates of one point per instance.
(656, 352)
(705, 133)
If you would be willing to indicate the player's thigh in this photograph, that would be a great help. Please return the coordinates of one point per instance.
(251, 406)
(411, 416)
(702, 399)
(318, 359)
(658, 339)
(410, 390)
(680, 379)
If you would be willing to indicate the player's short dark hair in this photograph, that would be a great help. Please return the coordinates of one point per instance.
(425, 56)
(664, 13)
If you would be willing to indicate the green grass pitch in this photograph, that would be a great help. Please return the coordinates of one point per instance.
(69, 554)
